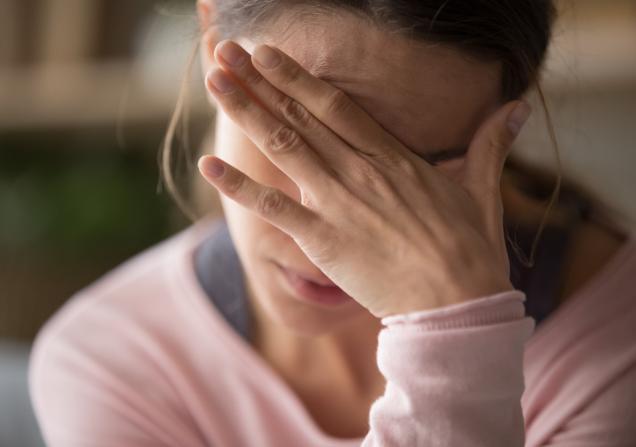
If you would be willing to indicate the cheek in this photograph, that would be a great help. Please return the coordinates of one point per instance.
(239, 151)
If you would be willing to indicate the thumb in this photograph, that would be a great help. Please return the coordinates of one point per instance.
(490, 147)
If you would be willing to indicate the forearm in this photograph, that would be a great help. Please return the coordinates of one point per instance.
(454, 375)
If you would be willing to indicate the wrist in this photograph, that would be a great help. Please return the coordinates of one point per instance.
(456, 293)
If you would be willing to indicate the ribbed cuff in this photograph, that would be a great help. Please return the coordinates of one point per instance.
(491, 309)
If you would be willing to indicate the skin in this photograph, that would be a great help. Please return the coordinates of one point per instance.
(327, 355)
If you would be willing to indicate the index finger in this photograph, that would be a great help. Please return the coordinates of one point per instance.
(281, 144)
(327, 103)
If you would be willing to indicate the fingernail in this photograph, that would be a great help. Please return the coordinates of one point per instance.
(220, 81)
(518, 117)
(232, 53)
(211, 166)
(266, 56)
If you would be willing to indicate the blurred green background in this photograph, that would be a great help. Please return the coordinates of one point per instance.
(87, 88)
(71, 209)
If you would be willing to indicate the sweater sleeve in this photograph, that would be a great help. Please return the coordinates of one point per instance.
(454, 375)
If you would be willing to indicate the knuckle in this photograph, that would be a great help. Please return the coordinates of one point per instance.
(293, 72)
(294, 112)
(406, 167)
(236, 102)
(367, 173)
(497, 144)
(270, 201)
(234, 183)
(392, 159)
(337, 103)
(331, 186)
(282, 140)
(402, 164)
(378, 184)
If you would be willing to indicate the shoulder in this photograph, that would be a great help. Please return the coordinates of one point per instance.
(135, 289)
(127, 292)
(580, 367)
(98, 365)
(608, 418)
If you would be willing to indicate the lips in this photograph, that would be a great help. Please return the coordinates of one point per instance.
(306, 289)
(323, 281)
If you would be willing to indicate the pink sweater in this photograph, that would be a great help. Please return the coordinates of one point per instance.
(141, 358)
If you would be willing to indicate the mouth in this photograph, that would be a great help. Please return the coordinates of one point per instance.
(307, 289)
(322, 282)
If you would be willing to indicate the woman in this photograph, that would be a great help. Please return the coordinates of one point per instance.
(359, 289)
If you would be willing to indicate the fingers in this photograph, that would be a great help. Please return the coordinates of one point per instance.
(281, 144)
(328, 104)
(490, 147)
(269, 203)
(485, 161)
(329, 146)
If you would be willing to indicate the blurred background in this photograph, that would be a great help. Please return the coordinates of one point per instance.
(86, 92)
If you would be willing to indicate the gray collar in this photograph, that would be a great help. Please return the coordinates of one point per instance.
(220, 273)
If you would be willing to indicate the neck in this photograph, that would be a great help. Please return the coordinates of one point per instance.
(343, 359)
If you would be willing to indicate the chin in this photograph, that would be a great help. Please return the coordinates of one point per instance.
(297, 315)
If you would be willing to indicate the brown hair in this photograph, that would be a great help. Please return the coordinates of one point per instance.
(514, 32)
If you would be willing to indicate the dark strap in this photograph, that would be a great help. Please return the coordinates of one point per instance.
(220, 273)
(543, 282)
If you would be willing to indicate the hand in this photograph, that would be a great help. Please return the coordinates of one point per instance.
(383, 224)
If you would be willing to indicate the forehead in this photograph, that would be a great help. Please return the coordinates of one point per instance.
(429, 96)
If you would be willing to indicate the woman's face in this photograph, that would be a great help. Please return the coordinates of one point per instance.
(428, 96)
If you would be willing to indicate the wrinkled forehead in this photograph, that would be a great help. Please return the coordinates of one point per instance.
(428, 95)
